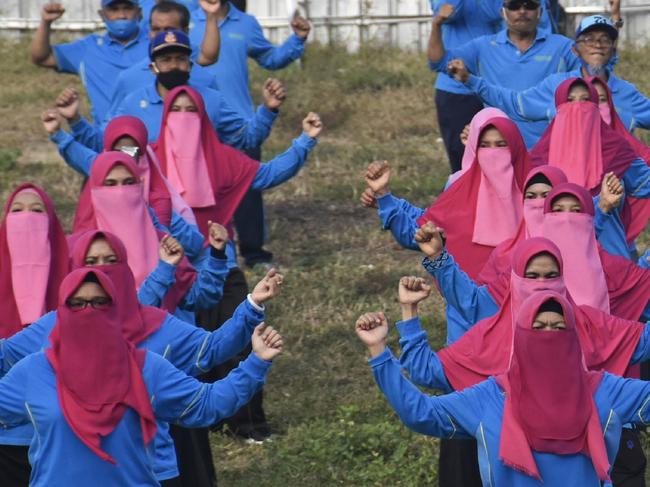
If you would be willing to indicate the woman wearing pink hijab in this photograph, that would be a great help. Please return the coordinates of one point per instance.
(478, 210)
(33, 258)
(543, 419)
(94, 398)
(112, 200)
(33, 262)
(579, 142)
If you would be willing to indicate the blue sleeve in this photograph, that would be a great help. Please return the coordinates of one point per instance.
(473, 302)
(629, 397)
(87, 134)
(70, 55)
(610, 231)
(639, 105)
(155, 287)
(12, 396)
(274, 57)
(642, 350)
(458, 9)
(532, 104)
(468, 52)
(27, 341)
(422, 363)
(188, 235)
(238, 132)
(185, 401)
(195, 351)
(400, 217)
(207, 289)
(643, 260)
(286, 165)
(637, 179)
(77, 156)
(452, 415)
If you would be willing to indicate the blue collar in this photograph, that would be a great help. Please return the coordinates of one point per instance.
(501, 37)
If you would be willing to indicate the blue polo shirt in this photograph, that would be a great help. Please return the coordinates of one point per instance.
(499, 61)
(538, 102)
(242, 37)
(140, 76)
(233, 129)
(98, 59)
(471, 19)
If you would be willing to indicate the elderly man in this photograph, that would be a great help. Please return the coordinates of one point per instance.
(595, 45)
(517, 57)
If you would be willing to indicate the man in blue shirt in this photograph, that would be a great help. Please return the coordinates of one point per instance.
(455, 104)
(595, 45)
(168, 15)
(517, 57)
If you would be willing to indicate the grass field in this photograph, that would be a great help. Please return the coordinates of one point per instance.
(332, 425)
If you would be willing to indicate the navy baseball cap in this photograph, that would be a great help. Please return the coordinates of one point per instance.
(597, 22)
(108, 2)
(170, 39)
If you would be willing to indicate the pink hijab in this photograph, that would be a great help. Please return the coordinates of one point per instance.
(628, 285)
(469, 155)
(33, 262)
(483, 207)
(580, 143)
(574, 234)
(98, 373)
(120, 210)
(607, 342)
(549, 395)
(216, 175)
(530, 226)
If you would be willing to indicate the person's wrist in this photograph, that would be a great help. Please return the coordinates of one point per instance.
(409, 310)
(257, 301)
(437, 21)
(74, 119)
(376, 349)
(382, 192)
(605, 206)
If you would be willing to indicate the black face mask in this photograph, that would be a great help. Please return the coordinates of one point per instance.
(174, 78)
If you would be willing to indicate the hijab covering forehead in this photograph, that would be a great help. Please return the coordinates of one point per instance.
(500, 259)
(636, 212)
(98, 373)
(580, 142)
(571, 189)
(455, 209)
(230, 172)
(137, 321)
(549, 405)
(126, 126)
(11, 321)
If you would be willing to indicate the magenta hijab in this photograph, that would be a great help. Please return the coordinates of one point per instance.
(549, 405)
(574, 234)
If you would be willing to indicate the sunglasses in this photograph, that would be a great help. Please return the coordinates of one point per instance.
(527, 4)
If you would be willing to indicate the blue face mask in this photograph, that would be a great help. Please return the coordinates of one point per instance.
(122, 29)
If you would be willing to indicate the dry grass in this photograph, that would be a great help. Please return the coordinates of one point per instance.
(334, 428)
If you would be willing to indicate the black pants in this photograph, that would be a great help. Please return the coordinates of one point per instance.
(14, 466)
(458, 464)
(454, 112)
(194, 458)
(250, 417)
(630, 463)
(249, 222)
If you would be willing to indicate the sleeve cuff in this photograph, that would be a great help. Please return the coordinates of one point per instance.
(306, 141)
(297, 39)
(473, 81)
(218, 254)
(79, 126)
(255, 365)
(382, 358)
(61, 137)
(267, 115)
(409, 327)
(166, 270)
(432, 265)
(254, 305)
(386, 201)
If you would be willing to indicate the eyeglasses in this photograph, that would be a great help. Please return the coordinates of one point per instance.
(516, 5)
(590, 41)
(77, 304)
